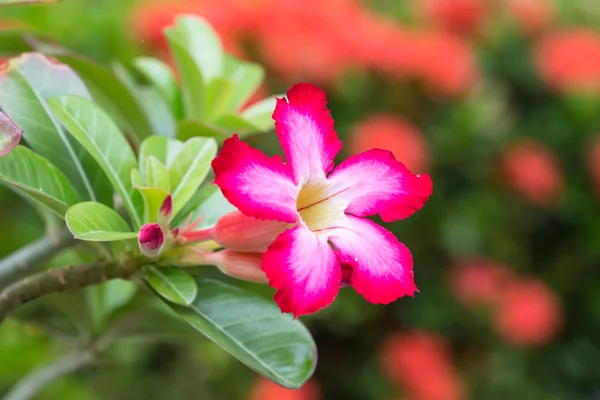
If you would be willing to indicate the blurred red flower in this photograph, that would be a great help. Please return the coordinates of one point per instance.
(529, 313)
(531, 15)
(458, 16)
(479, 282)
(393, 133)
(420, 362)
(569, 60)
(264, 389)
(445, 63)
(533, 170)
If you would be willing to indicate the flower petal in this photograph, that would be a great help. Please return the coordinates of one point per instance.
(305, 129)
(382, 266)
(259, 186)
(304, 270)
(375, 183)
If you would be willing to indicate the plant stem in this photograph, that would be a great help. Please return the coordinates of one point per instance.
(37, 379)
(28, 258)
(61, 279)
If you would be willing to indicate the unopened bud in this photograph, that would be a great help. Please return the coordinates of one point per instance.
(241, 233)
(165, 213)
(239, 265)
(10, 135)
(151, 238)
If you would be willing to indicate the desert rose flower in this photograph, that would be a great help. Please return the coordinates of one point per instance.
(323, 207)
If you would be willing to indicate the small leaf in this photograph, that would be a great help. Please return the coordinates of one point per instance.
(160, 75)
(192, 128)
(189, 169)
(157, 174)
(164, 149)
(254, 331)
(97, 222)
(95, 131)
(173, 284)
(219, 95)
(10, 135)
(113, 96)
(153, 198)
(207, 203)
(236, 124)
(39, 180)
(246, 77)
(260, 114)
(198, 54)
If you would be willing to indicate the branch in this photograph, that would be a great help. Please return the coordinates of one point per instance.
(60, 279)
(37, 379)
(28, 258)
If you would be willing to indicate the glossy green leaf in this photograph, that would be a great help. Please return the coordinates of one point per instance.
(260, 114)
(198, 54)
(164, 149)
(14, 41)
(94, 129)
(189, 169)
(154, 107)
(246, 77)
(153, 198)
(173, 284)
(35, 177)
(113, 96)
(220, 92)
(254, 331)
(208, 203)
(10, 135)
(157, 174)
(96, 222)
(236, 124)
(159, 74)
(30, 80)
(192, 128)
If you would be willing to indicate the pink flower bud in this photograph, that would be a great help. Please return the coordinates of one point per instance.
(10, 135)
(241, 233)
(151, 238)
(240, 265)
(166, 209)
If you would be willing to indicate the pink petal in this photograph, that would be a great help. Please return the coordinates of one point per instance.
(303, 269)
(259, 186)
(375, 183)
(305, 129)
(382, 266)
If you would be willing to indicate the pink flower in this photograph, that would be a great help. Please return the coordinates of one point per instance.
(531, 15)
(265, 389)
(529, 314)
(479, 282)
(457, 16)
(323, 208)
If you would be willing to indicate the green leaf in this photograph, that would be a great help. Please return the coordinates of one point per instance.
(192, 128)
(260, 114)
(173, 284)
(246, 78)
(113, 96)
(15, 2)
(153, 198)
(198, 54)
(159, 74)
(10, 135)
(208, 203)
(30, 80)
(164, 149)
(96, 222)
(254, 331)
(236, 124)
(157, 174)
(189, 169)
(103, 140)
(39, 180)
(219, 94)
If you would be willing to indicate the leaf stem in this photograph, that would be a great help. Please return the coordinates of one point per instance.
(60, 279)
(40, 377)
(28, 258)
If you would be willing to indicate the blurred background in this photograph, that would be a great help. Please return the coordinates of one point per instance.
(499, 100)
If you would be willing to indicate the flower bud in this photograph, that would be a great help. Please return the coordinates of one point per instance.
(241, 233)
(239, 265)
(165, 213)
(10, 135)
(151, 238)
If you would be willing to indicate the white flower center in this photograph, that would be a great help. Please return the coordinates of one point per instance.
(319, 206)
